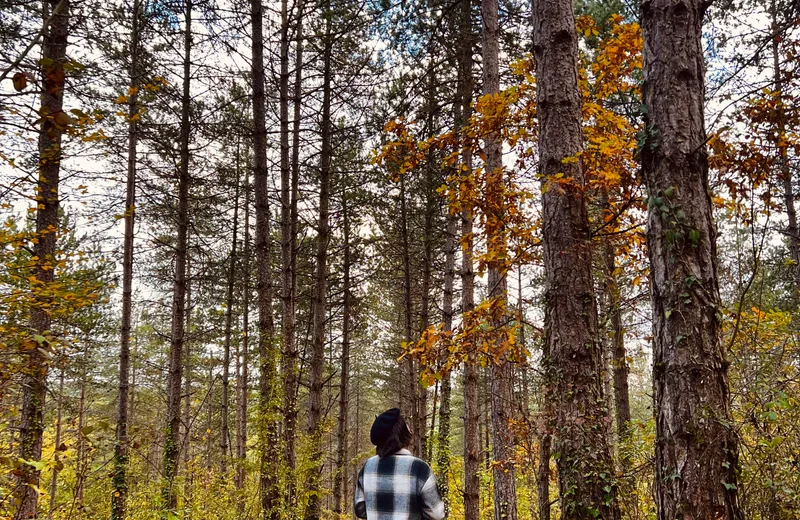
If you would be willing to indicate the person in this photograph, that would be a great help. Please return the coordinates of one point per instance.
(393, 484)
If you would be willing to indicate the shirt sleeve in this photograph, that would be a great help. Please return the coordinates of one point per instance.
(360, 502)
(432, 504)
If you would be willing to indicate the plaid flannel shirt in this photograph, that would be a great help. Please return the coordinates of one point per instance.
(398, 487)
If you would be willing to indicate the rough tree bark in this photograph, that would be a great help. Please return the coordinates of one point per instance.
(316, 380)
(502, 372)
(267, 433)
(408, 382)
(244, 359)
(471, 411)
(344, 379)
(177, 336)
(696, 448)
(585, 466)
(289, 366)
(34, 383)
(792, 231)
(119, 477)
(226, 351)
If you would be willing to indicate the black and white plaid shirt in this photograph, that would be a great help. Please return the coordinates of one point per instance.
(398, 487)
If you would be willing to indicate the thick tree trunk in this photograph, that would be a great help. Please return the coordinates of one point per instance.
(585, 466)
(244, 359)
(268, 436)
(696, 448)
(34, 384)
(344, 380)
(226, 352)
(316, 380)
(502, 372)
(177, 337)
(119, 476)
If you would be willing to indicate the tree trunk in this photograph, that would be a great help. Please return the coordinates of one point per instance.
(186, 420)
(344, 380)
(792, 231)
(119, 476)
(471, 411)
(290, 354)
(316, 381)
(696, 449)
(242, 379)
(34, 383)
(56, 443)
(443, 444)
(81, 464)
(584, 462)
(408, 383)
(172, 437)
(502, 372)
(619, 362)
(268, 435)
(226, 352)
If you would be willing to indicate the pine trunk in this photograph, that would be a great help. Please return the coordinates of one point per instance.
(226, 352)
(502, 372)
(696, 448)
(471, 410)
(344, 379)
(316, 382)
(290, 367)
(119, 476)
(584, 462)
(244, 363)
(34, 382)
(267, 430)
(174, 376)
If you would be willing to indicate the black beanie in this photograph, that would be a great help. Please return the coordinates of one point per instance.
(383, 425)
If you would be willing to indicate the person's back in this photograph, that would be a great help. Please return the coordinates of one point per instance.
(395, 485)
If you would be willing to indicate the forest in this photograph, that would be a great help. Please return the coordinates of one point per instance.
(560, 235)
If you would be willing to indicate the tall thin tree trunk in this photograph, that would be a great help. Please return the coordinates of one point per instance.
(408, 382)
(81, 463)
(471, 410)
(172, 436)
(268, 435)
(57, 444)
(502, 372)
(290, 367)
(226, 352)
(619, 361)
(344, 379)
(696, 448)
(119, 476)
(792, 231)
(585, 466)
(34, 382)
(242, 380)
(186, 420)
(316, 381)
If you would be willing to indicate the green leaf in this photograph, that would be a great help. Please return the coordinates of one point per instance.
(694, 237)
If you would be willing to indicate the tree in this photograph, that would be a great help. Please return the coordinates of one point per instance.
(177, 334)
(268, 445)
(39, 345)
(696, 450)
(585, 468)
